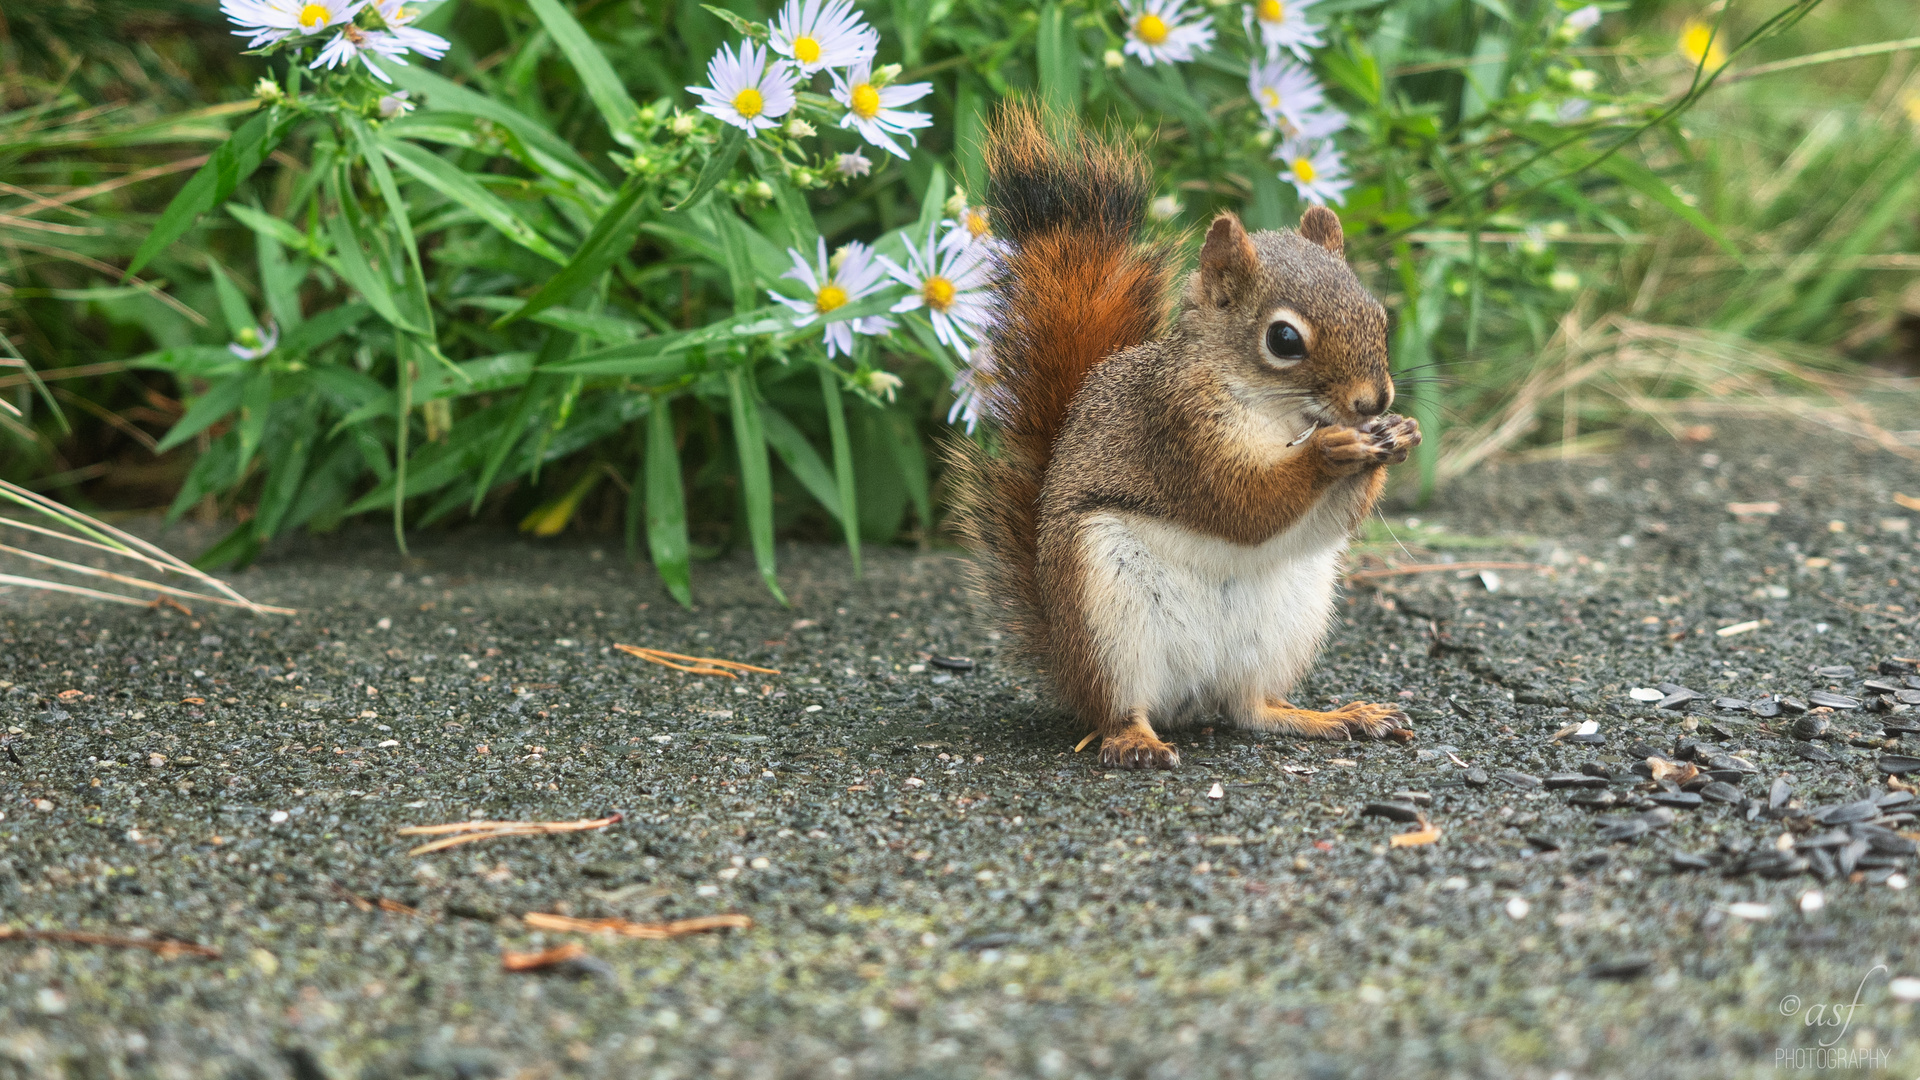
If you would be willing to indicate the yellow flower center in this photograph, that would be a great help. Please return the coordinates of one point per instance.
(314, 16)
(1303, 169)
(976, 223)
(938, 292)
(864, 101)
(1698, 43)
(829, 297)
(1151, 29)
(806, 50)
(1271, 96)
(1272, 11)
(748, 102)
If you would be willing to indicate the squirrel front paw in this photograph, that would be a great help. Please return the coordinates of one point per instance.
(1384, 440)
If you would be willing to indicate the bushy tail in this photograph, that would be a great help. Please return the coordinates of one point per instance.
(1077, 283)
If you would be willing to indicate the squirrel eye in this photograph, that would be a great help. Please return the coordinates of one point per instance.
(1284, 341)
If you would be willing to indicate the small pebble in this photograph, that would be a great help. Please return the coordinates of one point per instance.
(1645, 693)
(1750, 911)
(1812, 900)
(1517, 908)
(1683, 860)
(1476, 777)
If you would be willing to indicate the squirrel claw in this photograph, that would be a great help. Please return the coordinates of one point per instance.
(1384, 440)
(1137, 748)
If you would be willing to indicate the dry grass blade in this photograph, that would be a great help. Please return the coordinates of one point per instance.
(702, 665)
(1427, 833)
(158, 946)
(469, 832)
(545, 958)
(1665, 373)
(97, 535)
(649, 931)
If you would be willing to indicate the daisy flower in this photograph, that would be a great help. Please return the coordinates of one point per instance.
(966, 225)
(1584, 19)
(972, 387)
(1283, 25)
(270, 21)
(397, 17)
(874, 111)
(1315, 170)
(951, 284)
(1312, 124)
(1157, 31)
(829, 287)
(821, 34)
(1285, 90)
(252, 343)
(747, 92)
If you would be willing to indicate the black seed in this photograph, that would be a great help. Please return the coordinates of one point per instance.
(1765, 707)
(1594, 768)
(1685, 800)
(1631, 967)
(1629, 829)
(1730, 703)
(952, 663)
(1898, 764)
(1420, 798)
(1809, 752)
(1722, 792)
(1781, 791)
(1912, 681)
(1861, 810)
(1393, 811)
(1686, 860)
(1890, 799)
(1835, 671)
(1572, 780)
(1594, 738)
(1591, 859)
(1820, 861)
(1882, 839)
(1643, 751)
(1883, 686)
(1848, 856)
(1793, 705)
(1517, 779)
(1832, 838)
(1833, 701)
(1592, 800)
(1545, 842)
(1476, 777)
(1903, 727)
(1897, 667)
(1907, 697)
(996, 940)
(1811, 727)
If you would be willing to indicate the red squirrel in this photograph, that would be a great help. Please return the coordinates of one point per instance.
(1161, 521)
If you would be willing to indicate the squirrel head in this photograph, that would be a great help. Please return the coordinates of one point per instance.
(1292, 327)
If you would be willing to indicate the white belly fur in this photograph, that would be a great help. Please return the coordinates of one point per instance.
(1187, 622)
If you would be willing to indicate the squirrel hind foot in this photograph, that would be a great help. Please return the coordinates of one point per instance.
(1354, 720)
(1135, 746)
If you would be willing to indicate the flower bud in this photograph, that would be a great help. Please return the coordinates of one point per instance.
(761, 190)
(852, 165)
(956, 203)
(268, 92)
(1583, 79)
(883, 384)
(1563, 281)
(800, 129)
(885, 74)
(1114, 60)
(683, 124)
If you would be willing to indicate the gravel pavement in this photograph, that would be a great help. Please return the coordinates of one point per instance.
(939, 885)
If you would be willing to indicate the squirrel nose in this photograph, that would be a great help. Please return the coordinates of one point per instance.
(1370, 404)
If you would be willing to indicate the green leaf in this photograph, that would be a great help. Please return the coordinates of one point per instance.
(268, 226)
(234, 308)
(322, 328)
(739, 23)
(667, 506)
(1059, 56)
(442, 176)
(372, 284)
(756, 477)
(256, 404)
(719, 163)
(220, 399)
(801, 459)
(603, 86)
(733, 241)
(842, 460)
(612, 236)
(912, 462)
(234, 161)
(658, 357)
(554, 155)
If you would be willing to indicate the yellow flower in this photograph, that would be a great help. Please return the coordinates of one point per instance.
(1700, 43)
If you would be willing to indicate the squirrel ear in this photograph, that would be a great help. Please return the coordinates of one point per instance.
(1322, 226)
(1227, 260)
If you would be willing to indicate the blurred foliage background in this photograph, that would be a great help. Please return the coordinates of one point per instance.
(1574, 233)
